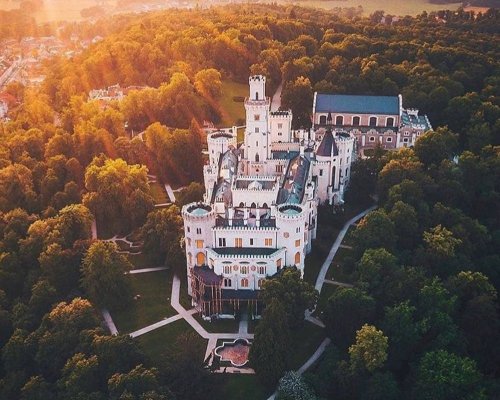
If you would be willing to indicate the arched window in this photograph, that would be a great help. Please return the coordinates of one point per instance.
(389, 122)
(244, 269)
(244, 282)
(253, 205)
(265, 205)
(373, 121)
(322, 120)
(190, 259)
(356, 121)
(256, 95)
(339, 120)
(334, 171)
(297, 258)
(200, 259)
(242, 204)
(259, 282)
(227, 282)
(257, 157)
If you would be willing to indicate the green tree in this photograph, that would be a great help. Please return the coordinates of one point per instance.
(293, 387)
(162, 236)
(435, 146)
(270, 351)
(342, 325)
(442, 375)
(208, 83)
(375, 230)
(193, 192)
(103, 276)
(382, 386)
(293, 292)
(37, 389)
(370, 350)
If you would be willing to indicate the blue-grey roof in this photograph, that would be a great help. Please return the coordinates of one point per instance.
(355, 104)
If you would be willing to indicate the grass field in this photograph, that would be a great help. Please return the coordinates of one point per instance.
(239, 387)
(154, 304)
(156, 343)
(305, 341)
(233, 111)
(394, 7)
(158, 193)
(220, 325)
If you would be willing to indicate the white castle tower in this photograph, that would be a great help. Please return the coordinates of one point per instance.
(257, 144)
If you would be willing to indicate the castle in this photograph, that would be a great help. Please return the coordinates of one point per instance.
(371, 120)
(260, 206)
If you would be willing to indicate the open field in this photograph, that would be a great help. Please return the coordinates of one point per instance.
(153, 305)
(394, 7)
(233, 111)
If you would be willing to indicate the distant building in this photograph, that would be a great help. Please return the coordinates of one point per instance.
(370, 119)
(114, 92)
(259, 213)
(4, 108)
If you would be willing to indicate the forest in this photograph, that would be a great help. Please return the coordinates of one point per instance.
(423, 316)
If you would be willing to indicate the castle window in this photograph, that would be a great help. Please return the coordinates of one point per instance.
(227, 282)
(280, 125)
(244, 269)
(297, 258)
(227, 269)
(198, 231)
(256, 129)
(260, 282)
(322, 120)
(188, 229)
(280, 134)
(389, 139)
(244, 282)
(320, 172)
(257, 158)
(200, 259)
(238, 242)
(373, 121)
(297, 230)
(190, 259)
(261, 270)
(389, 121)
(278, 264)
(279, 168)
(199, 244)
(372, 139)
(297, 243)
(188, 241)
(268, 241)
(339, 120)
(251, 241)
(405, 140)
(356, 121)
(256, 117)
(222, 242)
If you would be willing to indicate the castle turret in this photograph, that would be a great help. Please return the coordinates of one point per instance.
(257, 123)
(199, 218)
(290, 219)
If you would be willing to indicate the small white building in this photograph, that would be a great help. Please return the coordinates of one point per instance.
(259, 213)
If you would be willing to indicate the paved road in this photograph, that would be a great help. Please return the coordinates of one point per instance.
(143, 270)
(109, 321)
(324, 269)
(170, 192)
(276, 100)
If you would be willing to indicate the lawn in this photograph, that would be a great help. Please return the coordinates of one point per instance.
(305, 342)
(139, 260)
(337, 270)
(219, 325)
(233, 112)
(156, 343)
(153, 305)
(326, 291)
(158, 193)
(239, 387)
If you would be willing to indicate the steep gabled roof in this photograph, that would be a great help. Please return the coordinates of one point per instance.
(327, 147)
